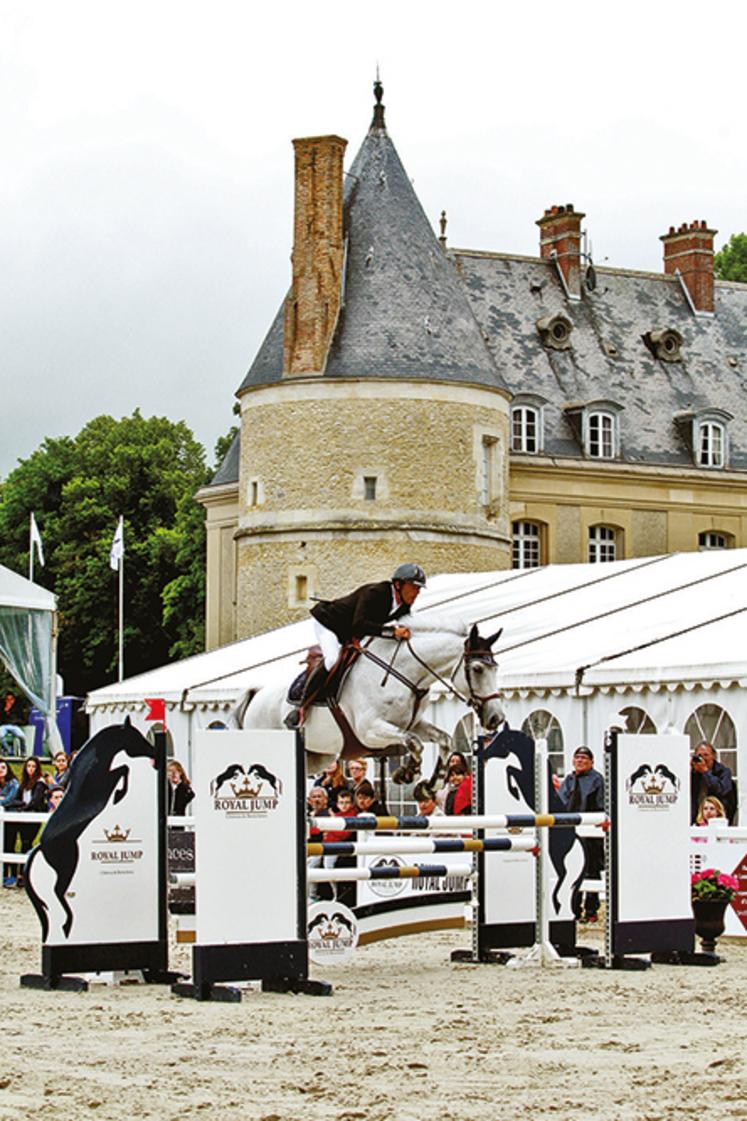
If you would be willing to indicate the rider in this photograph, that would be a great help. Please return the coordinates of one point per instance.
(366, 611)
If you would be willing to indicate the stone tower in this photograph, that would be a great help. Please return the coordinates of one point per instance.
(374, 423)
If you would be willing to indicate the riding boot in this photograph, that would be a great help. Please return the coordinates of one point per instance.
(312, 690)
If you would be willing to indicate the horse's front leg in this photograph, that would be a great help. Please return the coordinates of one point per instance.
(443, 742)
(381, 733)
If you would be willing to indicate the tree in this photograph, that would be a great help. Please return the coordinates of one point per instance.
(730, 263)
(147, 470)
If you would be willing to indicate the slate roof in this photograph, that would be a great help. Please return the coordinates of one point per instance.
(228, 472)
(405, 314)
(413, 312)
(509, 294)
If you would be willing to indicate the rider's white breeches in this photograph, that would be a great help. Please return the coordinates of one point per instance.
(329, 643)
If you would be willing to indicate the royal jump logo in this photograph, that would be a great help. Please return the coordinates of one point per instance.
(388, 889)
(652, 788)
(116, 849)
(251, 791)
(332, 932)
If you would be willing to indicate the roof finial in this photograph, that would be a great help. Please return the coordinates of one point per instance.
(378, 117)
(442, 223)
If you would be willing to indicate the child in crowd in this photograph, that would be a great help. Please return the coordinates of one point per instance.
(366, 801)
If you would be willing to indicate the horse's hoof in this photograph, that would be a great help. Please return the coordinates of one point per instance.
(403, 776)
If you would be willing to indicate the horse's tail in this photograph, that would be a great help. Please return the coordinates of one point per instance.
(38, 903)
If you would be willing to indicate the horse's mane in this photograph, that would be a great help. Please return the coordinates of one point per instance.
(420, 623)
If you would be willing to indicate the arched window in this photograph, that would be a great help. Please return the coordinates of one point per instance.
(712, 723)
(541, 724)
(602, 544)
(527, 545)
(712, 539)
(711, 445)
(525, 428)
(638, 722)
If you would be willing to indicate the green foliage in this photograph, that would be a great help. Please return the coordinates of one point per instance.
(730, 263)
(223, 443)
(148, 470)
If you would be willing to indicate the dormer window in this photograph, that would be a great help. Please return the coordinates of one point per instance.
(711, 444)
(705, 431)
(526, 423)
(596, 426)
(665, 344)
(555, 331)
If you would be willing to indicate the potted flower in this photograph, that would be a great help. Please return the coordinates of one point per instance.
(712, 891)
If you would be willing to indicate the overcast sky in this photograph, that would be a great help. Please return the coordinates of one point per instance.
(146, 188)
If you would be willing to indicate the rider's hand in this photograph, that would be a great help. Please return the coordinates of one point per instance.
(402, 633)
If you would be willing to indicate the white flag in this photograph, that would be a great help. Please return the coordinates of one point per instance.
(36, 541)
(117, 549)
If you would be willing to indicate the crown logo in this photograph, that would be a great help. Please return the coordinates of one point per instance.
(245, 789)
(653, 786)
(116, 834)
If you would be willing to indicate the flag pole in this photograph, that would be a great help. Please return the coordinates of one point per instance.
(31, 546)
(121, 617)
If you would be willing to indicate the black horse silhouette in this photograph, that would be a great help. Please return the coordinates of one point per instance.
(261, 772)
(520, 784)
(229, 773)
(665, 772)
(93, 781)
(641, 772)
(336, 917)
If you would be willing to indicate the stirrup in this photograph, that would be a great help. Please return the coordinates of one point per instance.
(292, 719)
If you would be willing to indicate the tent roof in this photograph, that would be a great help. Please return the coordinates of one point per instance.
(655, 622)
(17, 591)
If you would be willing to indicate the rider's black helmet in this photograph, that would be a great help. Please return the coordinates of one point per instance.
(410, 573)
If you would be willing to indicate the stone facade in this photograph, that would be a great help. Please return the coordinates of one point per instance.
(398, 471)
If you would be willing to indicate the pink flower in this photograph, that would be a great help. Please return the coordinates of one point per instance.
(725, 880)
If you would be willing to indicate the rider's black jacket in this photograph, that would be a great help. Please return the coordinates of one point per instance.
(365, 611)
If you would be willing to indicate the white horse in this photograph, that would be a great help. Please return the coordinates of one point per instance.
(383, 696)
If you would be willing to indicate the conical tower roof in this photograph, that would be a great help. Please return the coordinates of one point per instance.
(405, 314)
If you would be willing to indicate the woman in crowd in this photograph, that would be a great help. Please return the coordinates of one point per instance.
(711, 807)
(8, 791)
(31, 797)
(61, 770)
(180, 793)
(456, 759)
(332, 779)
(459, 796)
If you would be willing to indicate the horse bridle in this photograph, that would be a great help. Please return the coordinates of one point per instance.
(473, 700)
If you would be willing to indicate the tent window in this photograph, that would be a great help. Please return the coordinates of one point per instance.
(602, 544)
(713, 723)
(638, 722)
(541, 724)
(150, 735)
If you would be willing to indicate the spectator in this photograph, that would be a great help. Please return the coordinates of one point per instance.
(56, 794)
(366, 801)
(357, 769)
(31, 797)
(317, 804)
(8, 791)
(333, 780)
(180, 793)
(458, 800)
(710, 808)
(13, 711)
(582, 791)
(709, 777)
(344, 892)
(455, 759)
(61, 770)
(426, 800)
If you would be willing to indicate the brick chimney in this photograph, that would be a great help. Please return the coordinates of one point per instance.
(313, 305)
(560, 230)
(690, 250)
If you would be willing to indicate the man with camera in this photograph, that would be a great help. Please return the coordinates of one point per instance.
(709, 777)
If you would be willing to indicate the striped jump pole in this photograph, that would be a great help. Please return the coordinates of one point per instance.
(404, 846)
(448, 824)
(390, 872)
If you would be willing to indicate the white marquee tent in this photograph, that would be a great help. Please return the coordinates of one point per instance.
(658, 638)
(28, 640)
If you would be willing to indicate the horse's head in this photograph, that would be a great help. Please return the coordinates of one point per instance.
(479, 671)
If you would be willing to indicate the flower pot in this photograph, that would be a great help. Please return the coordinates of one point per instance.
(709, 921)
